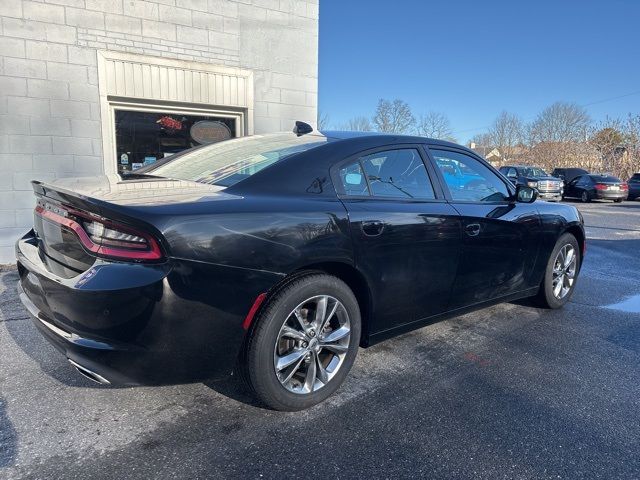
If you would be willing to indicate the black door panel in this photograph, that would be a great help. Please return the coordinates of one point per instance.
(500, 236)
(499, 251)
(411, 265)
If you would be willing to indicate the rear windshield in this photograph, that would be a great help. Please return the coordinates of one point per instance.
(228, 162)
(605, 178)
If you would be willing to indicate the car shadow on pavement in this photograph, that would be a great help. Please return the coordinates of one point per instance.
(235, 388)
(8, 438)
(19, 326)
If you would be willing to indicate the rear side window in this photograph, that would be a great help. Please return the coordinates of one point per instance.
(606, 178)
(353, 180)
(584, 180)
(391, 174)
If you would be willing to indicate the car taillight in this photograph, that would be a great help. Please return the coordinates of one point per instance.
(600, 186)
(103, 237)
(624, 186)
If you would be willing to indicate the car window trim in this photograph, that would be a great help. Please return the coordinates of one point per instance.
(507, 183)
(431, 175)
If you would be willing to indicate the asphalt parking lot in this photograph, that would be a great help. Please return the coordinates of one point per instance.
(506, 392)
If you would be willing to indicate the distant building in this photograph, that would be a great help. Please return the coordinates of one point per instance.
(494, 156)
(491, 154)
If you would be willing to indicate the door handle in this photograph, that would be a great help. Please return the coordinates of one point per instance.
(372, 228)
(473, 229)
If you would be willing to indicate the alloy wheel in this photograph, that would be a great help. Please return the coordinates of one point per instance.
(564, 271)
(312, 344)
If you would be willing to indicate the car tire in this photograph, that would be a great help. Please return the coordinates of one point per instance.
(549, 296)
(272, 343)
(618, 200)
(586, 198)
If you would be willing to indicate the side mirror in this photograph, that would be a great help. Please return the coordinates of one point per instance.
(526, 194)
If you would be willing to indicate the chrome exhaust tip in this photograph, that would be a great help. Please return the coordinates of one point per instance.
(85, 372)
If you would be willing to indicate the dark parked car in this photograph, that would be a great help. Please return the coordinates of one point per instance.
(549, 187)
(600, 187)
(280, 255)
(634, 186)
(568, 174)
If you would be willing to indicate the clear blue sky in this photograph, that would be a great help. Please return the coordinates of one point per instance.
(471, 59)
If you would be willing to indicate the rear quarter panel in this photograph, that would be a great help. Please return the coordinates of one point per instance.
(226, 254)
(263, 233)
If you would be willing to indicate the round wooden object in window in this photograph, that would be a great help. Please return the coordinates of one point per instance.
(209, 131)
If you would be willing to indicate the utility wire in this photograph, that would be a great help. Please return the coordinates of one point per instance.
(610, 99)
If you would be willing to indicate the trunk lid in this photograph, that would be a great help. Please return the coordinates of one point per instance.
(79, 219)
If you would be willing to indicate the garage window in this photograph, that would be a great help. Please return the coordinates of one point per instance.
(142, 138)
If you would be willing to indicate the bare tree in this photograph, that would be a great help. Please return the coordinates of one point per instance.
(561, 122)
(435, 125)
(618, 143)
(323, 120)
(481, 140)
(393, 117)
(550, 155)
(358, 124)
(632, 134)
(609, 140)
(506, 134)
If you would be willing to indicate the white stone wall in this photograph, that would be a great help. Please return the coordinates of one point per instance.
(49, 107)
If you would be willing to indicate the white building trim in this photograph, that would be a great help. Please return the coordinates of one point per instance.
(146, 83)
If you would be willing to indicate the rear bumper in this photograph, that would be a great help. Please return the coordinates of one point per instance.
(108, 362)
(142, 324)
(600, 195)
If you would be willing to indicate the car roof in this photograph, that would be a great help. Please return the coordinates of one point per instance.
(522, 166)
(390, 138)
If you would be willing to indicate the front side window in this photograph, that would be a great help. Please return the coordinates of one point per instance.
(468, 179)
(575, 181)
(391, 174)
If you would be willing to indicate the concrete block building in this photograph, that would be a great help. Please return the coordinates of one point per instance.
(103, 86)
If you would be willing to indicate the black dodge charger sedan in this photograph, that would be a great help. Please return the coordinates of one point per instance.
(278, 255)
